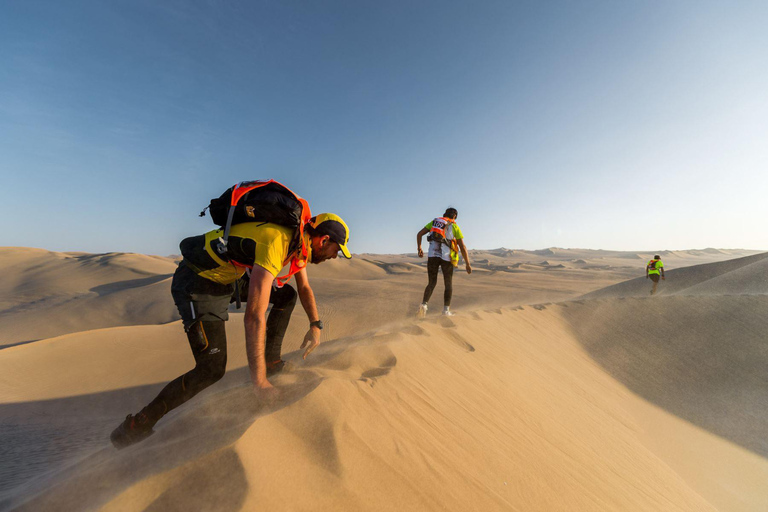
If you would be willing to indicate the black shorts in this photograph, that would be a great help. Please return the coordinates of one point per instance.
(654, 277)
(198, 298)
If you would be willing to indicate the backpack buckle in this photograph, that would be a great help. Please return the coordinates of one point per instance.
(221, 247)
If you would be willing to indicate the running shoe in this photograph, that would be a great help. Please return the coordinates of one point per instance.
(277, 367)
(131, 431)
(422, 310)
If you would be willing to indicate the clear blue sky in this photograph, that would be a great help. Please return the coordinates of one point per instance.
(595, 124)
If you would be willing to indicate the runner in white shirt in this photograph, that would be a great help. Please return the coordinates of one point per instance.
(445, 242)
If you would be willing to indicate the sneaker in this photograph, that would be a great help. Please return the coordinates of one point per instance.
(131, 431)
(448, 312)
(277, 367)
(422, 310)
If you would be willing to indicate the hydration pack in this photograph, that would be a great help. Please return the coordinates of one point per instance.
(257, 201)
(262, 201)
(437, 232)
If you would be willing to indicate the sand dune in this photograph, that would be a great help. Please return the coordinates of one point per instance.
(76, 292)
(615, 401)
(79, 291)
(701, 359)
(747, 275)
(402, 419)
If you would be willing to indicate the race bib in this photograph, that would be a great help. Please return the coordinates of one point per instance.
(439, 225)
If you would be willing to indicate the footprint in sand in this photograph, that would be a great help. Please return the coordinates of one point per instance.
(459, 340)
(414, 330)
(447, 322)
(382, 370)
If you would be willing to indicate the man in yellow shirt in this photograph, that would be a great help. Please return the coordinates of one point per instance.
(653, 269)
(203, 287)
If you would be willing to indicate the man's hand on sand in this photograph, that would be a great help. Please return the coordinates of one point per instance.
(266, 392)
(421, 253)
(469, 269)
(311, 340)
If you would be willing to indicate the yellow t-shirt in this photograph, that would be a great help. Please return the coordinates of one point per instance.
(250, 243)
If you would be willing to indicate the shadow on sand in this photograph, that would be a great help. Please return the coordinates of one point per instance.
(119, 286)
(57, 455)
(701, 358)
(71, 435)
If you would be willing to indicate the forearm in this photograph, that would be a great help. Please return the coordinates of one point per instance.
(255, 336)
(464, 254)
(307, 298)
(418, 240)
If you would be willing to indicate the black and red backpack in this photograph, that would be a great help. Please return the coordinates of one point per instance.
(263, 201)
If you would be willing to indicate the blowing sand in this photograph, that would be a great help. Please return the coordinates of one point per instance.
(551, 389)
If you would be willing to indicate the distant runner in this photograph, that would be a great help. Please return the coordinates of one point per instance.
(652, 270)
(445, 241)
(209, 277)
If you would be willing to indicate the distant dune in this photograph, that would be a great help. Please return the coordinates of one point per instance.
(72, 292)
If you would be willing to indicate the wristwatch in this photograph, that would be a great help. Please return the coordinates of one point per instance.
(318, 324)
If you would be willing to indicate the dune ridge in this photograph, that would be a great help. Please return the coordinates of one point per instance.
(746, 275)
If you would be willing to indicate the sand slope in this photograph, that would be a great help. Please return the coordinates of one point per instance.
(495, 411)
(747, 275)
(702, 360)
(638, 403)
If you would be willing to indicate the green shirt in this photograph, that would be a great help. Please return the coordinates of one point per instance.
(654, 266)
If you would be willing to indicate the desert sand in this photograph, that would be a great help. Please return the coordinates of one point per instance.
(559, 385)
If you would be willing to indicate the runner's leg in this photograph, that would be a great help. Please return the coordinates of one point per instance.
(208, 341)
(655, 279)
(283, 301)
(433, 264)
(203, 306)
(447, 268)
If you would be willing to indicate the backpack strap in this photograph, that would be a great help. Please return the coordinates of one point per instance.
(239, 190)
(300, 260)
(297, 266)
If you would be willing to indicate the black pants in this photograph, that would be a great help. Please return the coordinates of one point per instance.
(433, 265)
(203, 307)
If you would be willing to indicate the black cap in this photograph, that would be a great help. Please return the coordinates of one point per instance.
(333, 226)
